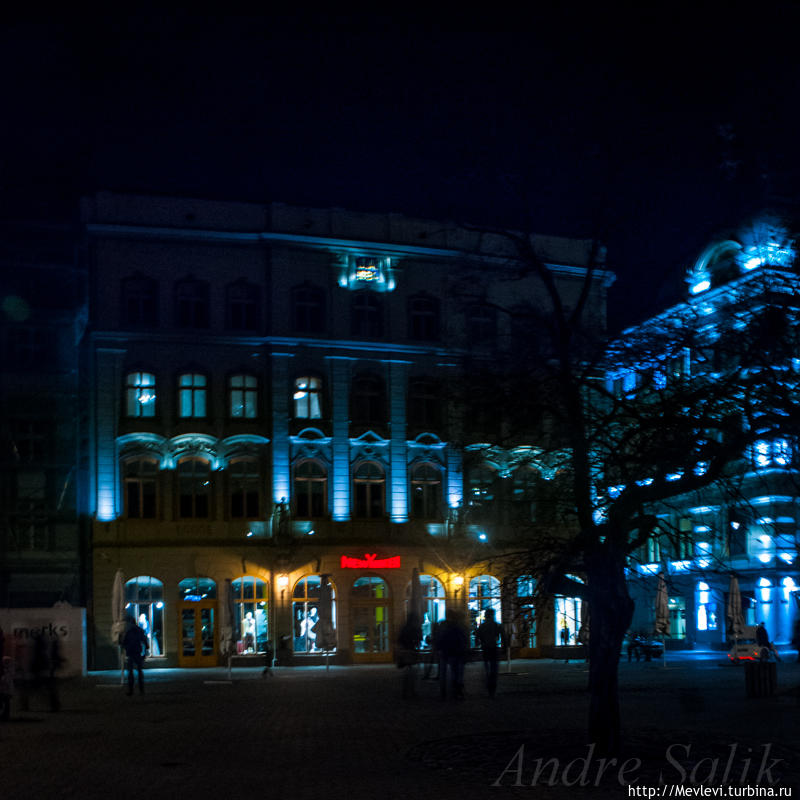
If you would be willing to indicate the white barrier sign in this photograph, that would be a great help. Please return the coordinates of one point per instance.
(22, 626)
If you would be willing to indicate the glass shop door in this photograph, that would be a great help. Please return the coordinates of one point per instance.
(198, 635)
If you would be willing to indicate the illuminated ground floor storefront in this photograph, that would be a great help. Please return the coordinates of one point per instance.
(199, 605)
(698, 605)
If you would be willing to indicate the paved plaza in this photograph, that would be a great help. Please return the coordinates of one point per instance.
(346, 732)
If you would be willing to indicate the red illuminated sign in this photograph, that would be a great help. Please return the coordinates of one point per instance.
(370, 561)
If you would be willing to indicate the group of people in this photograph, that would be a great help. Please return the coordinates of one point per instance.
(450, 647)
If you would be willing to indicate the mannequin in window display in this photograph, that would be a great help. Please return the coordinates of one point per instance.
(307, 626)
(249, 632)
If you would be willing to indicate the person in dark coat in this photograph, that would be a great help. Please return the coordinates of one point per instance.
(489, 634)
(134, 642)
(453, 646)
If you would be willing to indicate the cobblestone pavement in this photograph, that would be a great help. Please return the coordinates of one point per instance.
(346, 732)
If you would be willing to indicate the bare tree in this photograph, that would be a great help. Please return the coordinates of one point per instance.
(693, 392)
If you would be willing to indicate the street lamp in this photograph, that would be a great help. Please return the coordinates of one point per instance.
(283, 583)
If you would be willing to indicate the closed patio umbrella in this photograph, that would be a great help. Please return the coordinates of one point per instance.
(118, 616)
(662, 612)
(226, 623)
(733, 612)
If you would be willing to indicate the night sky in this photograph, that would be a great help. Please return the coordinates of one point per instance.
(653, 129)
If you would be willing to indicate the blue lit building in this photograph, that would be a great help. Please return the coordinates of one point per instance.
(749, 528)
(274, 439)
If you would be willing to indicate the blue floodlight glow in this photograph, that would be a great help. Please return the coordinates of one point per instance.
(787, 558)
(701, 468)
(648, 569)
(703, 563)
(615, 491)
(674, 476)
(482, 537)
(765, 558)
(644, 482)
(681, 566)
(700, 286)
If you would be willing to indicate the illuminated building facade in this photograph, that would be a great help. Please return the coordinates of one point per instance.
(749, 529)
(274, 443)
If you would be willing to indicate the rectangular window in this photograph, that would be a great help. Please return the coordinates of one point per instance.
(244, 396)
(192, 397)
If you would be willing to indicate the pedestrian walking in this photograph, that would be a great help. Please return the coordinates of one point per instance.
(453, 647)
(269, 657)
(134, 642)
(489, 634)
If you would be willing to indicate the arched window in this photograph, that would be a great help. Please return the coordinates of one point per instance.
(481, 324)
(193, 590)
(484, 594)
(194, 488)
(423, 318)
(368, 402)
(140, 302)
(192, 395)
(140, 477)
(426, 492)
(144, 602)
(243, 394)
(366, 315)
(306, 599)
(308, 309)
(424, 404)
(369, 482)
(192, 304)
(433, 606)
(140, 394)
(310, 485)
(307, 397)
(245, 488)
(250, 614)
(242, 306)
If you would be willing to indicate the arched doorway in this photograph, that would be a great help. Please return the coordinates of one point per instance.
(198, 622)
(370, 619)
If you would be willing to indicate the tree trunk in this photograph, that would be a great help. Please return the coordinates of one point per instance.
(610, 614)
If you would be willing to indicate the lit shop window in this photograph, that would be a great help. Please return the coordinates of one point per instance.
(433, 606)
(523, 621)
(250, 614)
(568, 620)
(144, 602)
(706, 608)
(140, 394)
(307, 398)
(243, 393)
(370, 612)
(306, 602)
(484, 594)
